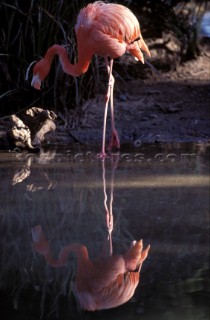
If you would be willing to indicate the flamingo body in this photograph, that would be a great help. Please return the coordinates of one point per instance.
(105, 29)
(110, 282)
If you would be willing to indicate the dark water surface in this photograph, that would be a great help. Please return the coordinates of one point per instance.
(160, 194)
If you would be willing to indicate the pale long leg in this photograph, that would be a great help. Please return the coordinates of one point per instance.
(109, 212)
(115, 142)
(109, 97)
(103, 152)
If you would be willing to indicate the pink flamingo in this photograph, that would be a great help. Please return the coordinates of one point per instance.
(105, 29)
(101, 283)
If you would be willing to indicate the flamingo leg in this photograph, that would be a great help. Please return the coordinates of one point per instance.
(115, 142)
(103, 152)
(109, 97)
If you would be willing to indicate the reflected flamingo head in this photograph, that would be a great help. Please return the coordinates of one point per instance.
(135, 255)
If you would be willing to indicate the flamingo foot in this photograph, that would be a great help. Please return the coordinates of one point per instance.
(115, 141)
(102, 155)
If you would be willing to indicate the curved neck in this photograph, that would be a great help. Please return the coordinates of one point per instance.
(74, 70)
(80, 251)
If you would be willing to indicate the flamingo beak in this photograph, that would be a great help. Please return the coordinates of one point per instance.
(144, 47)
(36, 82)
(140, 57)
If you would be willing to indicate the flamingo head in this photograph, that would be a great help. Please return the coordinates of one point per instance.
(135, 256)
(40, 71)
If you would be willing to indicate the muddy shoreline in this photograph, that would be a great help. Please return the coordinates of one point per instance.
(167, 107)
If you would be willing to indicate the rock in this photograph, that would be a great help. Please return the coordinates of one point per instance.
(144, 118)
(168, 109)
(152, 116)
(137, 143)
(29, 128)
(123, 97)
(19, 135)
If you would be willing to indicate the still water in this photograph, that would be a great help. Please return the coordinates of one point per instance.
(62, 198)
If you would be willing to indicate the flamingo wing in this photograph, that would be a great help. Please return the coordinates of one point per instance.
(111, 29)
(114, 294)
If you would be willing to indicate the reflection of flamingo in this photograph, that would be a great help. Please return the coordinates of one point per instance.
(105, 282)
(101, 283)
(104, 29)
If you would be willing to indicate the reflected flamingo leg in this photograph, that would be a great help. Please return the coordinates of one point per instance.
(109, 211)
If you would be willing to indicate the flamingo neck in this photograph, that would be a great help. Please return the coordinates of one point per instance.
(83, 261)
(73, 69)
(80, 251)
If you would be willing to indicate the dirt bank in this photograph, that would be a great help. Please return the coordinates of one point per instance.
(172, 106)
